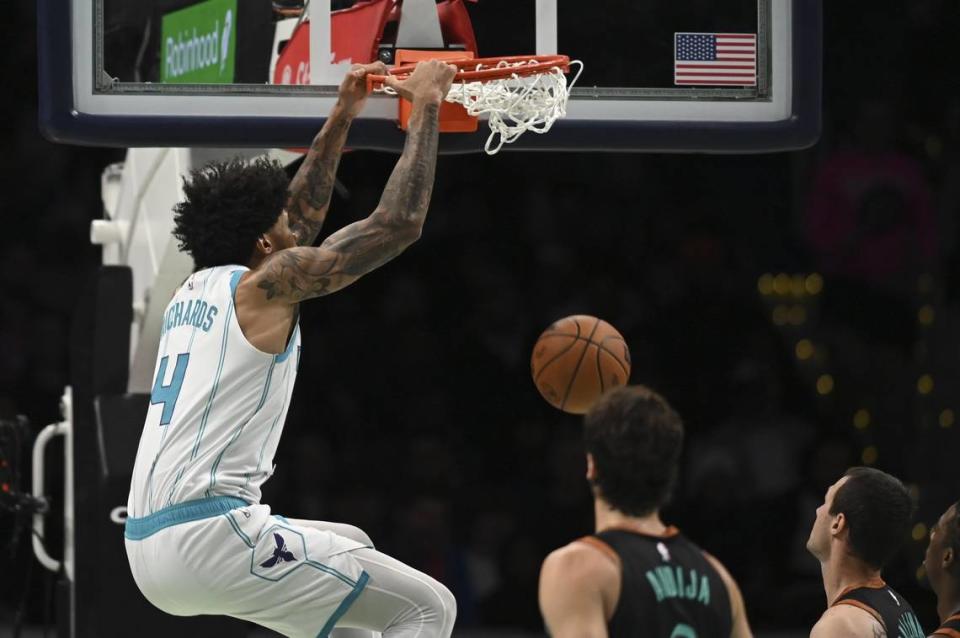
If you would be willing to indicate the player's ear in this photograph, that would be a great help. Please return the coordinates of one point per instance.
(948, 558)
(839, 524)
(591, 468)
(264, 245)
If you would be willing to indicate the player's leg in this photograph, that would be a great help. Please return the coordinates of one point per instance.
(399, 601)
(354, 533)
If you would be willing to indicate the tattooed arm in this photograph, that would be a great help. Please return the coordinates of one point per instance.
(293, 275)
(308, 197)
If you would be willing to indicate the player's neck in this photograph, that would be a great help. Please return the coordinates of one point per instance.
(608, 518)
(843, 571)
(948, 601)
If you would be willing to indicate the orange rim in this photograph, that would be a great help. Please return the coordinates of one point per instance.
(539, 64)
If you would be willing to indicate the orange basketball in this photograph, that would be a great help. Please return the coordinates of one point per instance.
(576, 360)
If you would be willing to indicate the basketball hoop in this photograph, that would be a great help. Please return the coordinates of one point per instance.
(516, 93)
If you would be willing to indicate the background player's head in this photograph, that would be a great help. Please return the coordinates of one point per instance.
(942, 560)
(233, 212)
(866, 514)
(633, 440)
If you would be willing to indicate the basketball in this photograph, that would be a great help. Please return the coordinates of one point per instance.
(577, 359)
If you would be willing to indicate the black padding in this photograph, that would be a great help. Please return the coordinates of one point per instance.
(119, 423)
(113, 315)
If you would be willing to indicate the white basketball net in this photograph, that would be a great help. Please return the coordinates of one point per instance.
(515, 104)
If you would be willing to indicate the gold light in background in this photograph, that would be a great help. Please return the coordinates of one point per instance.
(921, 573)
(797, 287)
(765, 284)
(870, 455)
(925, 384)
(804, 349)
(919, 532)
(861, 419)
(781, 284)
(814, 283)
(925, 315)
(825, 384)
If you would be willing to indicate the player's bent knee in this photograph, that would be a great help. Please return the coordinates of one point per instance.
(444, 605)
(450, 602)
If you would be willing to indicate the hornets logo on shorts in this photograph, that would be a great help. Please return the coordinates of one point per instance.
(280, 554)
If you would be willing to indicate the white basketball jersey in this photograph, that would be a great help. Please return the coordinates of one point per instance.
(218, 404)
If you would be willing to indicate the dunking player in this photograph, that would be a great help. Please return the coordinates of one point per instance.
(861, 524)
(198, 539)
(635, 576)
(942, 563)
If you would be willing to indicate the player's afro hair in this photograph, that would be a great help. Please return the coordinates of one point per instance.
(635, 439)
(227, 205)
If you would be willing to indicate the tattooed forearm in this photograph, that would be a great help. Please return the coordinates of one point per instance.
(308, 197)
(407, 193)
(296, 274)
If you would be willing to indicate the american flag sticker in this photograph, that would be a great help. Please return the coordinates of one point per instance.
(715, 59)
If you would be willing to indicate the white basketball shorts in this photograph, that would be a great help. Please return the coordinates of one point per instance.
(222, 556)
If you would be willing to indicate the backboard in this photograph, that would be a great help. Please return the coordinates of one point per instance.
(664, 75)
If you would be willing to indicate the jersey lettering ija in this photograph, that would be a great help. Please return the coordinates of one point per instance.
(668, 589)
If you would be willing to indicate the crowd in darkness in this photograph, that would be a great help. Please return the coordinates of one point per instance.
(416, 419)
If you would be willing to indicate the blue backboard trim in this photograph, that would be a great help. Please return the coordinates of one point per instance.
(61, 122)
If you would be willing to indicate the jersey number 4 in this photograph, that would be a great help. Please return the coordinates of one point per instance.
(168, 394)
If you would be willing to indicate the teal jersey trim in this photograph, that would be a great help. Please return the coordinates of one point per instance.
(277, 358)
(286, 391)
(216, 382)
(239, 431)
(140, 528)
(344, 605)
(203, 293)
(280, 358)
(235, 276)
(236, 528)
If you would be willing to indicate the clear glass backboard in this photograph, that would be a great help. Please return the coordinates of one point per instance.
(669, 75)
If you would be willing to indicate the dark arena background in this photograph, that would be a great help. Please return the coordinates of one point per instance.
(799, 321)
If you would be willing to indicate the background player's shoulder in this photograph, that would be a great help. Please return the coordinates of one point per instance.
(847, 621)
(585, 560)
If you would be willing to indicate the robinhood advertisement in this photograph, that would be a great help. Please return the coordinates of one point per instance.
(198, 44)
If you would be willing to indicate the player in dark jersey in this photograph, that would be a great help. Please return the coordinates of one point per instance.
(942, 563)
(863, 520)
(636, 576)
